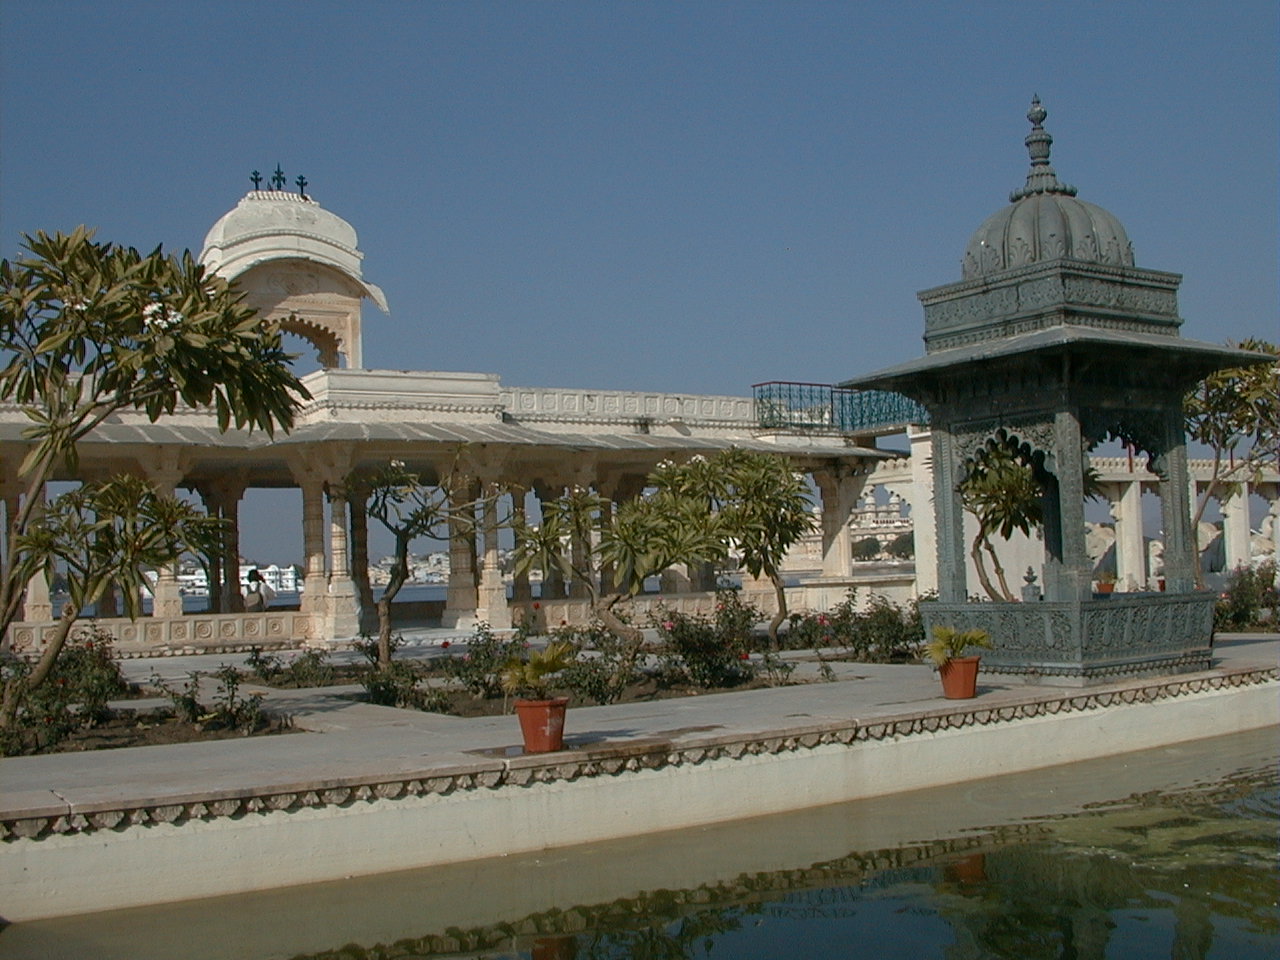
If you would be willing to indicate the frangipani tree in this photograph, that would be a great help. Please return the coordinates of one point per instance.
(640, 539)
(759, 501)
(1004, 496)
(411, 508)
(1236, 413)
(88, 330)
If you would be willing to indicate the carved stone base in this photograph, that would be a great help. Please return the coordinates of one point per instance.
(1084, 642)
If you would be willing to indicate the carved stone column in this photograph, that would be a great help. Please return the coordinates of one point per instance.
(952, 586)
(358, 507)
(1235, 525)
(461, 597)
(222, 497)
(1180, 553)
(840, 492)
(1075, 580)
(344, 609)
(315, 578)
(553, 586)
(923, 519)
(1131, 548)
(164, 472)
(492, 599)
(521, 591)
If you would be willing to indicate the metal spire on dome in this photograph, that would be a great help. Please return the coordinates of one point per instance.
(1041, 178)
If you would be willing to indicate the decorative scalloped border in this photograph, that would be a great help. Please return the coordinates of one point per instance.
(570, 766)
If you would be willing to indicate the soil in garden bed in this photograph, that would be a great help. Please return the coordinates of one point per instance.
(461, 703)
(128, 729)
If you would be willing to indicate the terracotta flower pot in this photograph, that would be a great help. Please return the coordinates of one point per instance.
(542, 724)
(959, 678)
(1105, 588)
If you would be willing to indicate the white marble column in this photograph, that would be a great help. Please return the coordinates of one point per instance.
(521, 590)
(343, 606)
(492, 599)
(461, 597)
(923, 518)
(164, 474)
(840, 493)
(1131, 549)
(315, 583)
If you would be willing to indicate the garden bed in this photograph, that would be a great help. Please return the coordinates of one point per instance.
(124, 728)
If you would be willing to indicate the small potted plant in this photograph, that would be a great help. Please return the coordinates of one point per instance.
(528, 680)
(1106, 581)
(959, 673)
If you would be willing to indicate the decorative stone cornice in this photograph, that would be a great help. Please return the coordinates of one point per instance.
(612, 759)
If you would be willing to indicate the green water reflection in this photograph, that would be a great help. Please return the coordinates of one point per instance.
(1183, 874)
(1168, 854)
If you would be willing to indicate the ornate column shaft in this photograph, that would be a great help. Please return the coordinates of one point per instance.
(461, 597)
(521, 591)
(492, 599)
(949, 527)
(553, 587)
(1180, 552)
(1076, 580)
(1131, 549)
(315, 586)
(840, 493)
(165, 475)
(923, 515)
(344, 611)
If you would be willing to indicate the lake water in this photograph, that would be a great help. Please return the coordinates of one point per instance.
(1168, 853)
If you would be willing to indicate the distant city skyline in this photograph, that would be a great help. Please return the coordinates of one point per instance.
(677, 197)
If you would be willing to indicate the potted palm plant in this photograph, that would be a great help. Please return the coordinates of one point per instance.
(959, 673)
(528, 680)
(1106, 582)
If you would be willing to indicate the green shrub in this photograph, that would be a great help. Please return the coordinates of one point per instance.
(399, 686)
(880, 633)
(710, 651)
(603, 674)
(1249, 592)
(75, 695)
(479, 670)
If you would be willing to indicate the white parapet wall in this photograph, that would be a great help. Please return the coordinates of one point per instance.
(192, 846)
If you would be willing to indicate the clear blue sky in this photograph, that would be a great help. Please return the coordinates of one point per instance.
(685, 197)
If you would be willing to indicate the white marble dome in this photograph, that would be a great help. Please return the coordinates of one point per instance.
(271, 225)
(1045, 221)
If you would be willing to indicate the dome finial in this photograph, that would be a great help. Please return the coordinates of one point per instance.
(1041, 178)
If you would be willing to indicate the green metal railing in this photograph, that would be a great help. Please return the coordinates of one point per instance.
(785, 405)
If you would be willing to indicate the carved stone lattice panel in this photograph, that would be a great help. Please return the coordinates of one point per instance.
(1034, 433)
(1142, 429)
(1088, 640)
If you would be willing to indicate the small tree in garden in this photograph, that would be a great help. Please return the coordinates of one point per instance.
(1236, 413)
(762, 505)
(88, 330)
(1004, 495)
(410, 509)
(640, 539)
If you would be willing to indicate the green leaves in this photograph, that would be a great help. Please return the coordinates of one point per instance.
(88, 329)
(110, 532)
